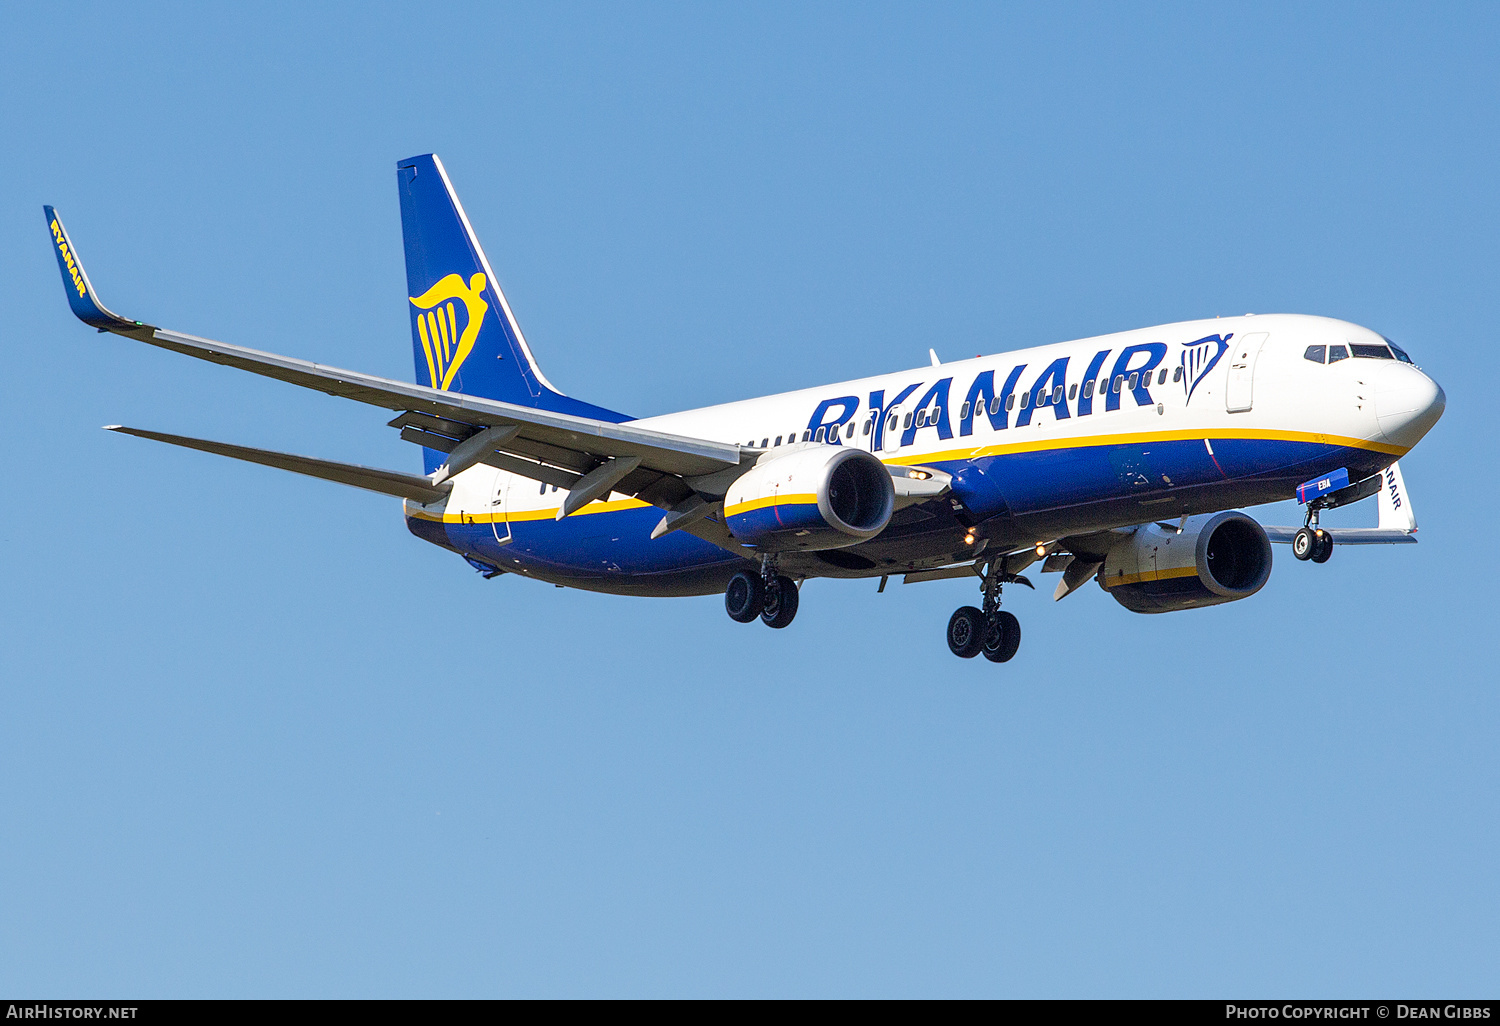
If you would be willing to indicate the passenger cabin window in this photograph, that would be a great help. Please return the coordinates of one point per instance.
(995, 405)
(1337, 353)
(764, 443)
(1119, 380)
(1317, 354)
(1134, 378)
(1010, 401)
(1161, 379)
(1025, 399)
(1177, 375)
(1073, 393)
(542, 488)
(907, 422)
(778, 439)
(819, 436)
(850, 432)
(868, 425)
(1057, 394)
(1088, 389)
(1369, 352)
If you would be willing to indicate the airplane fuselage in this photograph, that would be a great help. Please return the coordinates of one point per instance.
(1064, 439)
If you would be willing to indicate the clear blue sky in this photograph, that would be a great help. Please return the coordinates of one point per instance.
(255, 739)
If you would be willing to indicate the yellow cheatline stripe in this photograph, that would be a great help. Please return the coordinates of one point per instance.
(798, 499)
(1151, 575)
(1084, 441)
(525, 514)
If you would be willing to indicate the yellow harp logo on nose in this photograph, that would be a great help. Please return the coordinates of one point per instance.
(444, 343)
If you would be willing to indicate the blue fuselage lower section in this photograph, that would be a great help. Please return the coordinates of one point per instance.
(1009, 499)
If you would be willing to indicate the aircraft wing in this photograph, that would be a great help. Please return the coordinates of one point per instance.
(1347, 535)
(1397, 524)
(561, 449)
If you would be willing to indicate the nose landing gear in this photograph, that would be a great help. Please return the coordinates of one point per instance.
(991, 631)
(767, 595)
(1311, 541)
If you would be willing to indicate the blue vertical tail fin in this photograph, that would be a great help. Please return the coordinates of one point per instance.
(464, 336)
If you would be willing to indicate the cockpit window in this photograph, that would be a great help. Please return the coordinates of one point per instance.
(1316, 354)
(1369, 352)
(1337, 353)
(1400, 353)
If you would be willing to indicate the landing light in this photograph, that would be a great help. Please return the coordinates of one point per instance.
(1041, 549)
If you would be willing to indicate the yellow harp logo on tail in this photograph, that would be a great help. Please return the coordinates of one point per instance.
(445, 344)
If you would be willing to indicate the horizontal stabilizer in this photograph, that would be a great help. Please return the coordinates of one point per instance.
(388, 482)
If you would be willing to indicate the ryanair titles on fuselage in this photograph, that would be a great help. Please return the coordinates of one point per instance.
(1135, 370)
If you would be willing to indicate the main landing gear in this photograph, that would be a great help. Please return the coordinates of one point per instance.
(1311, 541)
(991, 630)
(767, 595)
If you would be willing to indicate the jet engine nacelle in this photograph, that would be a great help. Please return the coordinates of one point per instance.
(1218, 557)
(817, 497)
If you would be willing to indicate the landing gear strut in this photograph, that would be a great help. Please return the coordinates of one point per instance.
(767, 595)
(1311, 541)
(991, 630)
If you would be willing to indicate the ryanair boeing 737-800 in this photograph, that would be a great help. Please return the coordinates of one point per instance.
(1121, 458)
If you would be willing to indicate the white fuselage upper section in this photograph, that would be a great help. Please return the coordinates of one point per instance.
(1258, 383)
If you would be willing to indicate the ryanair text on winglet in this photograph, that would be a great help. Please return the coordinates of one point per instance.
(67, 255)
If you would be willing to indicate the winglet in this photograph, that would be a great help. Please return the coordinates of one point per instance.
(1396, 512)
(81, 295)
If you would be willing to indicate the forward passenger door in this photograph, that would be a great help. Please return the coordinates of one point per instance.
(1239, 396)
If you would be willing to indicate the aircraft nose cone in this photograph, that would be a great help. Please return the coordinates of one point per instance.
(1407, 404)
